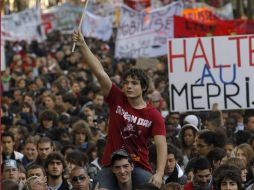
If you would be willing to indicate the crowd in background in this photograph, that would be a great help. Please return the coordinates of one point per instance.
(49, 96)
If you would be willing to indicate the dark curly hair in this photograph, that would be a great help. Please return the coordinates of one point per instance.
(140, 75)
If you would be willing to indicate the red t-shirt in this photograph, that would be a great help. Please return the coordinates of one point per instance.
(131, 128)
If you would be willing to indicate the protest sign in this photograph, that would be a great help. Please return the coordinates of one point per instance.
(191, 28)
(144, 34)
(208, 70)
(64, 18)
(96, 27)
(25, 25)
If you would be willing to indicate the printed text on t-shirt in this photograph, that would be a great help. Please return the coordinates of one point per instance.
(132, 118)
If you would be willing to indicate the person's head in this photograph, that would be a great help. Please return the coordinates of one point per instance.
(35, 183)
(172, 186)
(229, 147)
(135, 82)
(239, 164)
(10, 184)
(48, 118)
(26, 107)
(98, 99)
(216, 156)
(22, 173)
(172, 158)
(213, 121)
(44, 147)
(249, 122)
(38, 171)
(79, 178)
(30, 149)
(245, 153)
(231, 123)
(55, 165)
(76, 158)
(174, 118)
(202, 172)
(49, 102)
(188, 134)
(8, 142)
(81, 132)
(10, 170)
(207, 140)
(122, 166)
(75, 87)
(227, 177)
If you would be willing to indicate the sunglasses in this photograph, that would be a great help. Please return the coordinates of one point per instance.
(78, 178)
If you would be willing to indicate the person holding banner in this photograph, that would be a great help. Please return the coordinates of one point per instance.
(132, 122)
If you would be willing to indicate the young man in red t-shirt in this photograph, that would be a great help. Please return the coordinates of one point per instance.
(131, 121)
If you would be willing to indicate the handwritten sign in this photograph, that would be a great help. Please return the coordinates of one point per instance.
(25, 25)
(97, 27)
(145, 34)
(208, 70)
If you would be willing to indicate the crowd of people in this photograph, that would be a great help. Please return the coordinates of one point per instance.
(85, 121)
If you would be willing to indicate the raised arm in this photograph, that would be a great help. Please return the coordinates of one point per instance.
(94, 64)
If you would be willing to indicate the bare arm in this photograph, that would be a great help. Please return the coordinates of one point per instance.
(161, 149)
(94, 64)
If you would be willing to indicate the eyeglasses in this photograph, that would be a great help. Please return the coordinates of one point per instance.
(78, 178)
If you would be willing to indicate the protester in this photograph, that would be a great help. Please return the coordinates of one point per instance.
(202, 175)
(55, 166)
(126, 135)
(8, 151)
(80, 179)
(173, 171)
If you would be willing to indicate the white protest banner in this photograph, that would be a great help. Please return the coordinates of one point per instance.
(64, 18)
(145, 35)
(96, 27)
(25, 25)
(208, 70)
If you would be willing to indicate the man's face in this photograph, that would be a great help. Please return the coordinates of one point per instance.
(203, 177)
(11, 173)
(132, 88)
(171, 163)
(38, 173)
(79, 179)
(30, 151)
(98, 100)
(55, 168)
(250, 124)
(228, 184)
(122, 170)
(174, 119)
(44, 149)
(8, 145)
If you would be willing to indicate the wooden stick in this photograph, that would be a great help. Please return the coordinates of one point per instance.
(80, 24)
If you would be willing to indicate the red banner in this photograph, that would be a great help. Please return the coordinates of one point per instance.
(185, 27)
(138, 5)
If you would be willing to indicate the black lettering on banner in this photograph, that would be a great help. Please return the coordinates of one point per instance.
(210, 95)
(229, 96)
(193, 97)
(247, 80)
(158, 24)
(184, 89)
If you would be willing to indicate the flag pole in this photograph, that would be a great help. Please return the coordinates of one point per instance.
(80, 23)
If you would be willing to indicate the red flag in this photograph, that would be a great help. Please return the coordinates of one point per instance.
(185, 27)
